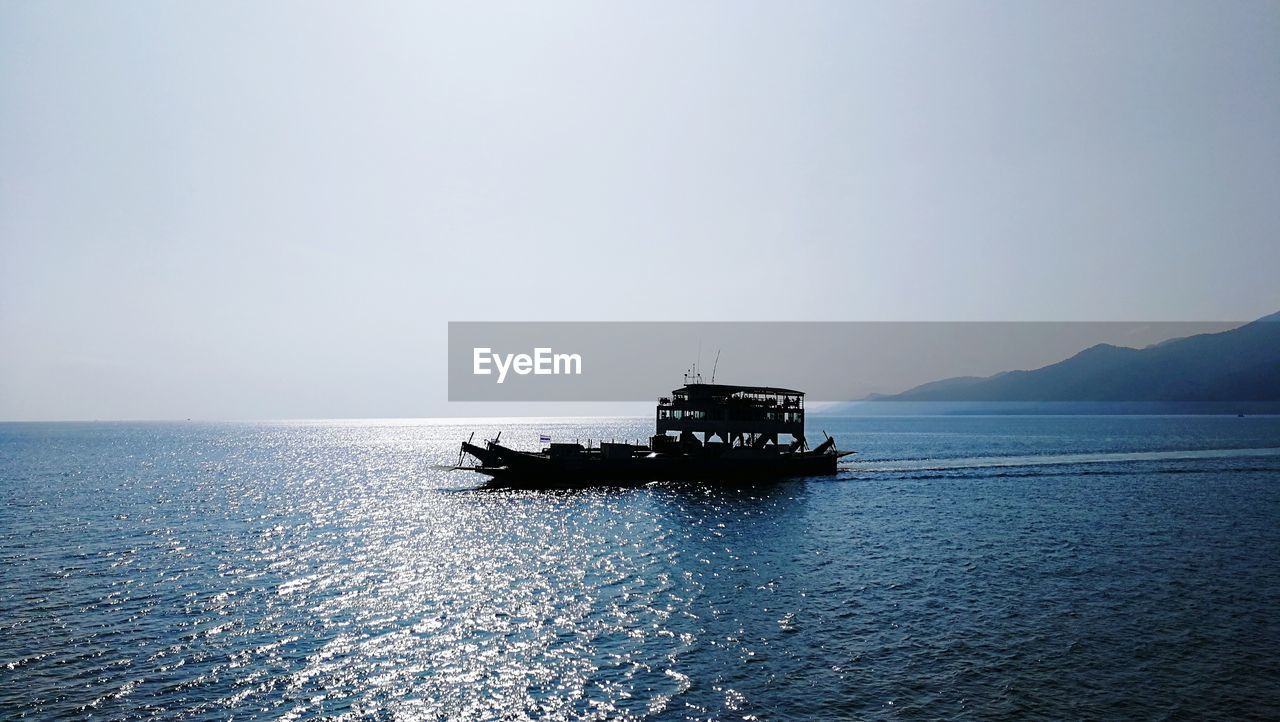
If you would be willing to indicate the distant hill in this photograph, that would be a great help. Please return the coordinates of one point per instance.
(1242, 364)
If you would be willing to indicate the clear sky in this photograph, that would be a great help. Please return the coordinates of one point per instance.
(271, 210)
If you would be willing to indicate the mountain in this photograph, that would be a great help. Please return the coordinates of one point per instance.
(1242, 364)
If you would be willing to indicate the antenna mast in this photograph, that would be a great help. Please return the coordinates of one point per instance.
(714, 365)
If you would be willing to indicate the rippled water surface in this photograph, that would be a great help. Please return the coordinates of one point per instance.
(985, 567)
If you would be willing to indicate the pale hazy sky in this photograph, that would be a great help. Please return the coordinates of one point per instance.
(267, 210)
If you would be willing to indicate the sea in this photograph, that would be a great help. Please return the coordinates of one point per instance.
(970, 567)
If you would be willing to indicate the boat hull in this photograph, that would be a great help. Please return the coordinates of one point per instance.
(508, 467)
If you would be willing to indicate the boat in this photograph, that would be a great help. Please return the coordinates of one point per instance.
(704, 432)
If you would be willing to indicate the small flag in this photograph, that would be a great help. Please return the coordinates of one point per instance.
(544, 439)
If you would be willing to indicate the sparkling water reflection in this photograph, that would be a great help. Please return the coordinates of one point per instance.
(976, 566)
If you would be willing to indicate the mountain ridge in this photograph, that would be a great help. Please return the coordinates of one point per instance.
(1241, 364)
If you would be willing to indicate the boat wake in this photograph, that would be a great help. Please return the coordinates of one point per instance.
(982, 462)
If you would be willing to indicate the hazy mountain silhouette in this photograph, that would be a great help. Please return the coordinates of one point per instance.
(1242, 364)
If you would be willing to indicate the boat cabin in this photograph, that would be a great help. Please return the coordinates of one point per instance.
(736, 415)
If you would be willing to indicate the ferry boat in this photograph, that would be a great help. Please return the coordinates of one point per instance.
(707, 432)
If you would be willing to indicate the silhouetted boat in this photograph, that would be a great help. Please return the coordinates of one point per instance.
(722, 433)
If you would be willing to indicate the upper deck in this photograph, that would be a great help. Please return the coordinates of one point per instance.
(728, 411)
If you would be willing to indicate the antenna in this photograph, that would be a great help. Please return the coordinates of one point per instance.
(714, 365)
(696, 378)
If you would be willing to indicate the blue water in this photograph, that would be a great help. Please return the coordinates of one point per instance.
(973, 567)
